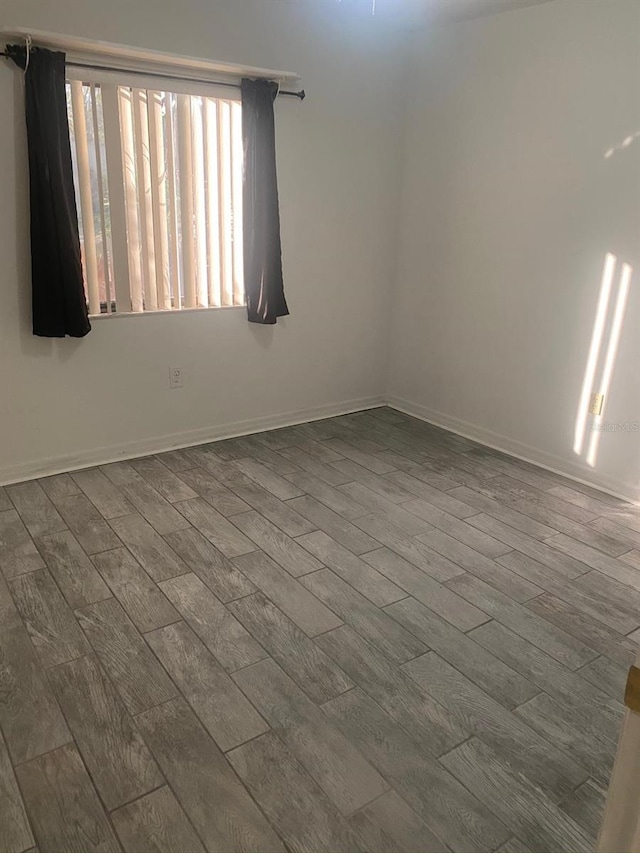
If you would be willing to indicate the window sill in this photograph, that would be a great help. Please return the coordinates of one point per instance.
(163, 312)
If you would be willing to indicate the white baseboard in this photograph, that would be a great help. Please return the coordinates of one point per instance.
(548, 461)
(175, 441)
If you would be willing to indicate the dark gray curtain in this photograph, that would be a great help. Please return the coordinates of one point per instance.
(59, 303)
(261, 217)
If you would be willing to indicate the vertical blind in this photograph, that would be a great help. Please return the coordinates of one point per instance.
(158, 178)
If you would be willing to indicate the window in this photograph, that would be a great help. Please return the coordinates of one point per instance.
(158, 178)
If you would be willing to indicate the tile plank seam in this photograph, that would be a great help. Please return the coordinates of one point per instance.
(368, 446)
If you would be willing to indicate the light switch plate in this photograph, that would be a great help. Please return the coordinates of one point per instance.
(595, 406)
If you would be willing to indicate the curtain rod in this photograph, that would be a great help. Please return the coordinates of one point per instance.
(301, 95)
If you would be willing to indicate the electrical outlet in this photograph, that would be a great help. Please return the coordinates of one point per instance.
(596, 403)
(175, 377)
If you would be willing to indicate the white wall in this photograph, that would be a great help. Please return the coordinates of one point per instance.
(496, 252)
(509, 208)
(68, 402)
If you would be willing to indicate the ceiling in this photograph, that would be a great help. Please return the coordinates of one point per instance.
(458, 9)
(416, 13)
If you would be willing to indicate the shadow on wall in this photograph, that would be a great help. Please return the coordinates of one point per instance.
(263, 335)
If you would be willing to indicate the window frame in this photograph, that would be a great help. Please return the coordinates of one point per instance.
(147, 81)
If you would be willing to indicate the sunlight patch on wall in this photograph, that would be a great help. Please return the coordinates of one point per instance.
(599, 369)
(610, 359)
(594, 352)
(626, 142)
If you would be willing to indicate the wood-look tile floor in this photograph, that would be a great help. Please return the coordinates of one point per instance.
(358, 634)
